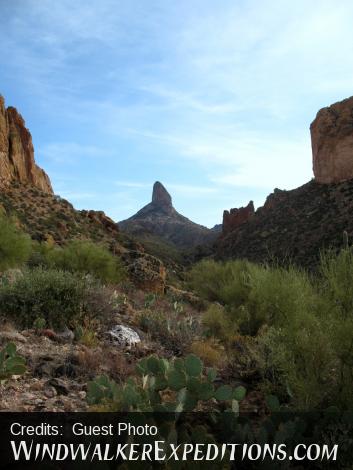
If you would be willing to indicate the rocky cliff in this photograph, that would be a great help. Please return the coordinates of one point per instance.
(332, 143)
(160, 219)
(235, 217)
(16, 152)
(297, 224)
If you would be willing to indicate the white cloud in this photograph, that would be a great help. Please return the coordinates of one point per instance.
(228, 90)
(71, 152)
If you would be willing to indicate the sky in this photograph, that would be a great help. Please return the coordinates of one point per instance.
(212, 98)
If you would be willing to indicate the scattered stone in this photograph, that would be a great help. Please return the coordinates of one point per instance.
(59, 385)
(50, 392)
(12, 336)
(66, 370)
(66, 336)
(48, 333)
(36, 385)
(124, 336)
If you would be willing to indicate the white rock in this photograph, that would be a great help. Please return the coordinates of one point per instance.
(124, 336)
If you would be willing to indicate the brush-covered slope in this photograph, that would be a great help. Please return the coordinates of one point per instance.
(294, 224)
(298, 224)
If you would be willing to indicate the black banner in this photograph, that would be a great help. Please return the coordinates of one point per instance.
(169, 440)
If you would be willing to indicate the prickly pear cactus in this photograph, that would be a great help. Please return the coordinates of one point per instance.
(185, 382)
(11, 363)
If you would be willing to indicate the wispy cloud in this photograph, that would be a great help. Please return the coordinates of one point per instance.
(214, 99)
(71, 152)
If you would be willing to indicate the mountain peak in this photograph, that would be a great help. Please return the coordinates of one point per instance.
(160, 196)
(158, 223)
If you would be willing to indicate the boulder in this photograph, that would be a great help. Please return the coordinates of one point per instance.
(101, 218)
(146, 272)
(124, 336)
(332, 143)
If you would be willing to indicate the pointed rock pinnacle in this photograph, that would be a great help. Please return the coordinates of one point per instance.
(160, 196)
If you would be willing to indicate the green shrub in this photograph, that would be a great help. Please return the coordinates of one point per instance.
(298, 363)
(277, 296)
(217, 323)
(302, 325)
(87, 258)
(15, 246)
(39, 254)
(337, 279)
(337, 289)
(56, 296)
(226, 283)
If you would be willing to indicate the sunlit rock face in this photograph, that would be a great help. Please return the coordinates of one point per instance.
(235, 217)
(16, 152)
(332, 143)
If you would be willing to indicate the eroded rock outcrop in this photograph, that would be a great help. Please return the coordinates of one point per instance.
(332, 143)
(102, 218)
(16, 152)
(159, 221)
(160, 196)
(235, 217)
(147, 272)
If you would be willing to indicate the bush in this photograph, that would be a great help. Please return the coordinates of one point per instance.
(174, 331)
(302, 325)
(226, 283)
(15, 246)
(277, 296)
(209, 351)
(336, 288)
(216, 323)
(56, 296)
(337, 279)
(87, 258)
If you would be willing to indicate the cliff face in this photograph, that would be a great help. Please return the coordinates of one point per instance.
(332, 143)
(16, 152)
(160, 219)
(297, 224)
(235, 217)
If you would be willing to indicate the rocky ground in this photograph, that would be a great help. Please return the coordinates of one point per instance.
(59, 366)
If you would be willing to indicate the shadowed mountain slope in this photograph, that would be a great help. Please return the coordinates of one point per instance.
(160, 219)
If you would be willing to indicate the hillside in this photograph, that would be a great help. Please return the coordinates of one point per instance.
(26, 195)
(296, 225)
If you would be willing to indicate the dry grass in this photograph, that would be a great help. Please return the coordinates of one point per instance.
(210, 351)
(102, 360)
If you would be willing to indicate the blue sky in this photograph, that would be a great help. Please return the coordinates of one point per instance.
(214, 99)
